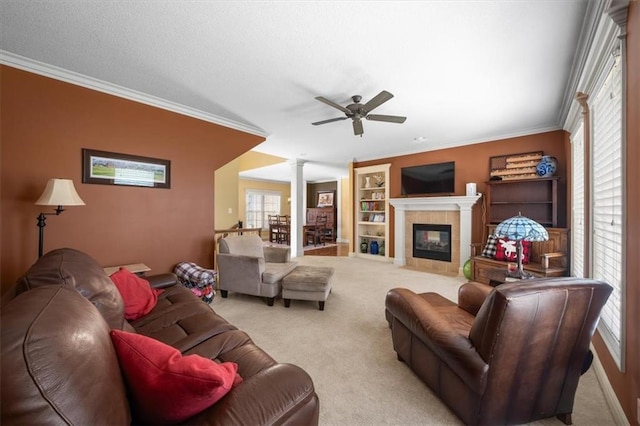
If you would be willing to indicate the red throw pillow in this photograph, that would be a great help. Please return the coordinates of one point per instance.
(167, 387)
(506, 250)
(138, 296)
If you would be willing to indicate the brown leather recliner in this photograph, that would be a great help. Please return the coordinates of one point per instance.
(505, 355)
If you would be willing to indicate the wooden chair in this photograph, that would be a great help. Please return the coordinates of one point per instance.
(284, 230)
(315, 233)
(328, 234)
(273, 227)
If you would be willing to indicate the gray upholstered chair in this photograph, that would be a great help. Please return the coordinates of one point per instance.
(246, 266)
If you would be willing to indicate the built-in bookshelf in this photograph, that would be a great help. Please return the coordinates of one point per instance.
(536, 199)
(372, 212)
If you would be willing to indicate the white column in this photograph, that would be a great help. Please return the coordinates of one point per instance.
(398, 229)
(465, 233)
(297, 209)
(338, 207)
(305, 196)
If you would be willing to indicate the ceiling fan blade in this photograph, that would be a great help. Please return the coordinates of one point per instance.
(331, 120)
(357, 127)
(377, 100)
(333, 104)
(387, 118)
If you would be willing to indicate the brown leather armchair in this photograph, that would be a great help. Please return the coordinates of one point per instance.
(504, 355)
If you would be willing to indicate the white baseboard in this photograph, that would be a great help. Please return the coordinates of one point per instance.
(619, 416)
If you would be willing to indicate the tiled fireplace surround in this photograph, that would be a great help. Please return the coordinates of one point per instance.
(454, 211)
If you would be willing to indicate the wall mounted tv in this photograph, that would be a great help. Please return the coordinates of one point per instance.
(428, 179)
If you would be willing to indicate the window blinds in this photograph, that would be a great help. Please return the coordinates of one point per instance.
(607, 226)
(259, 205)
(578, 225)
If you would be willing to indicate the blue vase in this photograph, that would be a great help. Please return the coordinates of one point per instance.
(547, 166)
(373, 247)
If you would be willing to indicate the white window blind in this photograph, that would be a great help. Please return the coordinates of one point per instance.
(578, 225)
(607, 226)
(259, 205)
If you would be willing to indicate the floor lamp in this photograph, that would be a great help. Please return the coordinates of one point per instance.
(519, 229)
(58, 192)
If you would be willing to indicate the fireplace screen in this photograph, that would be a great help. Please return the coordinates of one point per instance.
(432, 241)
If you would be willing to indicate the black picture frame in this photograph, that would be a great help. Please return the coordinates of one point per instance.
(112, 168)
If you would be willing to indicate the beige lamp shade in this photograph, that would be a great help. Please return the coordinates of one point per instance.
(60, 192)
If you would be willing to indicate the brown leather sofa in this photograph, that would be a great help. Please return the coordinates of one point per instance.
(60, 367)
(507, 355)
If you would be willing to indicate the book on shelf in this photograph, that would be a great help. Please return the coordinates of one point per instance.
(376, 217)
(367, 206)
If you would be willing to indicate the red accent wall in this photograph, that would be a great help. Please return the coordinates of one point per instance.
(46, 123)
(472, 165)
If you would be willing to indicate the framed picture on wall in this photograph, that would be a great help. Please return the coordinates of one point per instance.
(325, 198)
(111, 168)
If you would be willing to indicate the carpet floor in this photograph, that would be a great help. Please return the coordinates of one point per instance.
(347, 350)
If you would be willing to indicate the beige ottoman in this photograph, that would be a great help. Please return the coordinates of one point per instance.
(307, 283)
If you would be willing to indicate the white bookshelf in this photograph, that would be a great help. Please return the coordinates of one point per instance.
(372, 211)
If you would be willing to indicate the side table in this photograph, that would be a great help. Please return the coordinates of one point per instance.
(499, 276)
(136, 268)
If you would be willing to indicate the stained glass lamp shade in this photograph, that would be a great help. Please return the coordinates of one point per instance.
(519, 229)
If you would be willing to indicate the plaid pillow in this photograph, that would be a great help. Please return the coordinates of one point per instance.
(507, 250)
(491, 247)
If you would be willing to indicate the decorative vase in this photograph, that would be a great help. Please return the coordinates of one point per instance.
(367, 182)
(374, 247)
(547, 166)
(364, 246)
(381, 249)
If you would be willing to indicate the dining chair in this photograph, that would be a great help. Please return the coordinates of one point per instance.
(315, 233)
(284, 229)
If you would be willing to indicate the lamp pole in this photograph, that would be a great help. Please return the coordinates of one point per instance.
(521, 272)
(41, 224)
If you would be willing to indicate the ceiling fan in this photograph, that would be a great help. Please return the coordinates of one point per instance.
(357, 111)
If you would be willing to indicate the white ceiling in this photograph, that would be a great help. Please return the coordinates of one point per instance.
(461, 71)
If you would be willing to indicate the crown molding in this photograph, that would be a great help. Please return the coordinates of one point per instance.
(604, 23)
(458, 143)
(51, 71)
(592, 18)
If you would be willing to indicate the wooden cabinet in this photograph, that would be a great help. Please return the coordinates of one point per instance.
(536, 199)
(372, 211)
(548, 258)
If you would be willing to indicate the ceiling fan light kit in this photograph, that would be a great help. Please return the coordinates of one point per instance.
(357, 111)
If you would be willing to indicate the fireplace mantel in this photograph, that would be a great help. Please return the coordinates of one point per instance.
(435, 203)
(463, 204)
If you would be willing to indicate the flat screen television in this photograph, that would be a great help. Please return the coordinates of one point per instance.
(428, 179)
